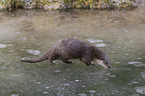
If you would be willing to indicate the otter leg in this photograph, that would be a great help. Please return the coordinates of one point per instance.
(51, 60)
(67, 61)
(53, 56)
(92, 65)
(87, 61)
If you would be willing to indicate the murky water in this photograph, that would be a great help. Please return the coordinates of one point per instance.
(29, 34)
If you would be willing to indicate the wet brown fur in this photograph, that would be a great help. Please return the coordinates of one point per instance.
(73, 49)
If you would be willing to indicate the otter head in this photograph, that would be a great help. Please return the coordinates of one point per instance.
(104, 61)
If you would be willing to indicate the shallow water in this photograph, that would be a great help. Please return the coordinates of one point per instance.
(29, 34)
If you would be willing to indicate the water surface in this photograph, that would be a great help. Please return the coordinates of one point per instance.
(29, 34)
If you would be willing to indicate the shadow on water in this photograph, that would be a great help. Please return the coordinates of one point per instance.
(28, 34)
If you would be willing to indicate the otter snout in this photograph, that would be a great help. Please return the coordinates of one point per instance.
(101, 62)
(109, 66)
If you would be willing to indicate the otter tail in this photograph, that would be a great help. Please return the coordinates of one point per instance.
(42, 58)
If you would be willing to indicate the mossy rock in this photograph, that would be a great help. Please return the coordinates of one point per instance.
(65, 4)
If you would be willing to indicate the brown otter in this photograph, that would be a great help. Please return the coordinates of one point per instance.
(74, 49)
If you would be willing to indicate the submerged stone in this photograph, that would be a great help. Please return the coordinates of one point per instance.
(66, 84)
(45, 92)
(57, 71)
(33, 52)
(47, 87)
(3, 45)
(140, 89)
(77, 80)
(112, 75)
(143, 75)
(134, 62)
(14, 95)
(94, 40)
(82, 94)
(135, 95)
(101, 45)
(92, 91)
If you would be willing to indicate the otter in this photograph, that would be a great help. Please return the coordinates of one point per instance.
(74, 49)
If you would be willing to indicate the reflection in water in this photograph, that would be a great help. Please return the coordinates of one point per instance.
(120, 34)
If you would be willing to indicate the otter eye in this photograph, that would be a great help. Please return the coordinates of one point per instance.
(102, 59)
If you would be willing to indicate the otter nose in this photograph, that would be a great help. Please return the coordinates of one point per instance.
(109, 66)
